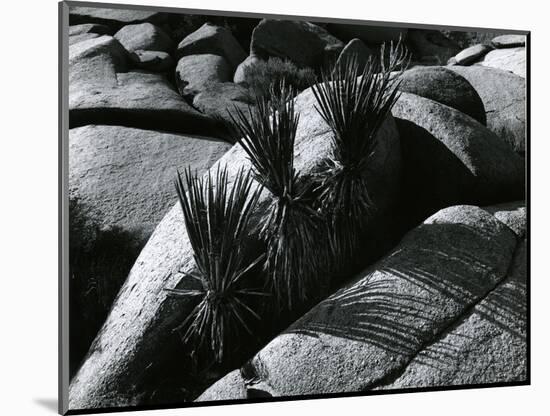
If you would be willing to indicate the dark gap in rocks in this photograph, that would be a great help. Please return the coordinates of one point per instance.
(165, 120)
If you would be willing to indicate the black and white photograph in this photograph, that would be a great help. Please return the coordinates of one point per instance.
(262, 208)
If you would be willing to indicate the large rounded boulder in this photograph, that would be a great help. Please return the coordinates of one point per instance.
(444, 86)
(144, 36)
(450, 158)
(143, 316)
(504, 98)
(303, 43)
(212, 39)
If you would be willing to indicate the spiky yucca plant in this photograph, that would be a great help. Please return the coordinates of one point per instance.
(216, 216)
(267, 134)
(354, 103)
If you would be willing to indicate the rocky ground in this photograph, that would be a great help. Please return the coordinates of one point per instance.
(441, 298)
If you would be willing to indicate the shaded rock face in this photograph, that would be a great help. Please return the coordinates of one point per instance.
(508, 41)
(504, 98)
(211, 39)
(144, 36)
(155, 61)
(471, 54)
(489, 345)
(450, 158)
(446, 87)
(89, 28)
(511, 59)
(355, 50)
(143, 317)
(102, 92)
(113, 17)
(369, 330)
(195, 73)
(219, 100)
(303, 43)
(127, 174)
(369, 34)
(431, 47)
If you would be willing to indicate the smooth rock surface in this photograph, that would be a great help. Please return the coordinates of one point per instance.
(89, 28)
(489, 345)
(195, 73)
(303, 43)
(509, 41)
(372, 327)
(446, 87)
(449, 158)
(113, 17)
(143, 316)
(127, 174)
(504, 98)
(155, 61)
(471, 54)
(102, 92)
(211, 39)
(220, 100)
(81, 37)
(511, 59)
(144, 36)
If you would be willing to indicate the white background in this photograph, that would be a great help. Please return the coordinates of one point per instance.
(28, 231)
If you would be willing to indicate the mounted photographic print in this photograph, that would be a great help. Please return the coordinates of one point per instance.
(264, 208)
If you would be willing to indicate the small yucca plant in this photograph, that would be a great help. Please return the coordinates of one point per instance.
(354, 103)
(291, 230)
(217, 216)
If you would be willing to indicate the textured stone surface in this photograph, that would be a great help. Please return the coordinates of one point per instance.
(504, 98)
(219, 100)
(372, 327)
(143, 316)
(195, 73)
(113, 17)
(472, 54)
(511, 59)
(509, 41)
(81, 37)
(101, 92)
(211, 39)
(155, 61)
(89, 28)
(127, 174)
(513, 214)
(446, 87)
(144, 36)
(357, 50)
(230, 387)
(488, 345)
(450, 158)
(305, 44)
